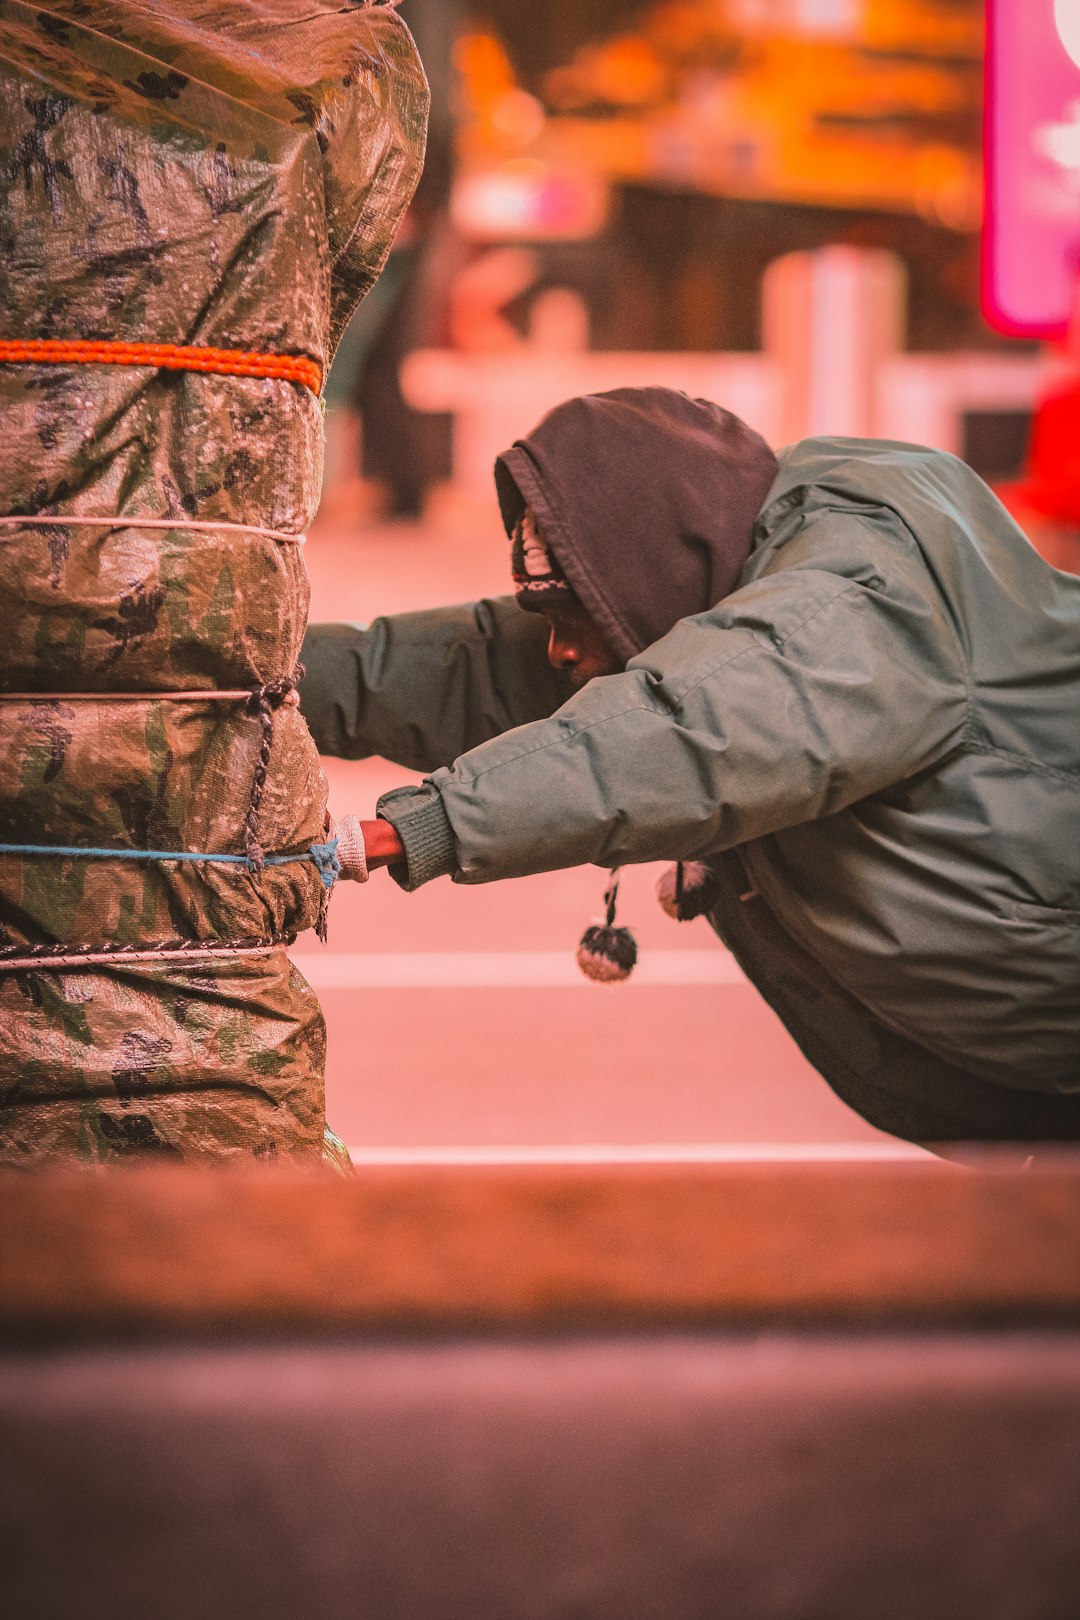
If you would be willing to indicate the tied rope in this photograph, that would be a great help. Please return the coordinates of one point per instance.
(44, 958)
(39, 520)
(208, 694)
(323, 856)
(261, 703)
(297, 368)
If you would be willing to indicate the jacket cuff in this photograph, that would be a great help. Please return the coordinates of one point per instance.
(417, 816)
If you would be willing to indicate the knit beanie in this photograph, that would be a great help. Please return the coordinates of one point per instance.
(539, 582)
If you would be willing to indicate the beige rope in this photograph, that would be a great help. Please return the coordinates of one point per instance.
(234, 695)
(59, 520)
(117, 958)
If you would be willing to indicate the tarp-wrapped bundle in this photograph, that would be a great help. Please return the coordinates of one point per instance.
(225, 179)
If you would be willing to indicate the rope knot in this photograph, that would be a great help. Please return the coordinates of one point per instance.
(325, 857)
(276, 694)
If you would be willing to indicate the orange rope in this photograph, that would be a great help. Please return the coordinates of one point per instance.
(164, 356)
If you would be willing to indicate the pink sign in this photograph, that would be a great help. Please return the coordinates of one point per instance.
(1031, 237)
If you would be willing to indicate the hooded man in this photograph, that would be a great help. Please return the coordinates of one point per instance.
(841, 682)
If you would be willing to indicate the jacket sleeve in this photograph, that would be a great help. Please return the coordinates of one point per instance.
(799, 694)
(422, 688)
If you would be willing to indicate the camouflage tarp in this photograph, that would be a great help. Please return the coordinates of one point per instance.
(220, 175)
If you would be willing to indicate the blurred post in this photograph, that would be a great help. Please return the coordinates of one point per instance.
(830, 320)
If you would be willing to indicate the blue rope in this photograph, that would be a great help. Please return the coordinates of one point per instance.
(323, 856)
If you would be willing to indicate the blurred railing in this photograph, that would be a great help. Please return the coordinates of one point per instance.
(832, 363)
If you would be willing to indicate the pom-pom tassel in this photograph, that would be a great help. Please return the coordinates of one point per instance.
(607, 953)
(687, 890)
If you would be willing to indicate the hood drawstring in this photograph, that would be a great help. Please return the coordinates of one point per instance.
(607, 953)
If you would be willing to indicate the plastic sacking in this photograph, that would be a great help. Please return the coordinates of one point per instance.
(221, 177)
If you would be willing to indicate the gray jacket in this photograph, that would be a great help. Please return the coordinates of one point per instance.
(881, 725)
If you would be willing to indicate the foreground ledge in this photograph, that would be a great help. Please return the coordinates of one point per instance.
(445, 1247)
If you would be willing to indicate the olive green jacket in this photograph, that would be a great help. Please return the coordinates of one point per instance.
(883, 721)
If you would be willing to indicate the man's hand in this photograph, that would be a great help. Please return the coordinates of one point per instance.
(384, 847)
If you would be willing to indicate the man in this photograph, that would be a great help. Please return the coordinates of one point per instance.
(842, 681)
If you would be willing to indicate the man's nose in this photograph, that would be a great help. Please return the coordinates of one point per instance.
(562, 654)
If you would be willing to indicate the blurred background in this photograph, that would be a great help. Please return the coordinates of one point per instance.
(811, 211)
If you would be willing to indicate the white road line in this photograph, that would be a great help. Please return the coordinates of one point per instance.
(481, 970)
(650, 1153)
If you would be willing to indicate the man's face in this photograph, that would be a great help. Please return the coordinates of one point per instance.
(575, 643)
(578, 646)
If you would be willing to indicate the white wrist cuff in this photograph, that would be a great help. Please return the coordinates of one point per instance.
(351, 851)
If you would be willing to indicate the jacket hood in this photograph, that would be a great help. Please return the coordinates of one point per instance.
(647, 500)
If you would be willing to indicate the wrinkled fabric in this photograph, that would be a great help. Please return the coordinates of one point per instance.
(182, 1061)
(882, 718)
(896, 1084)
(646, 498)
(219, 176)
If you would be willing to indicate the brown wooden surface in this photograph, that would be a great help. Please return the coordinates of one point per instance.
(528, 1245)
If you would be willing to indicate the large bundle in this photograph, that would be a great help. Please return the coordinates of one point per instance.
(224, 178)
